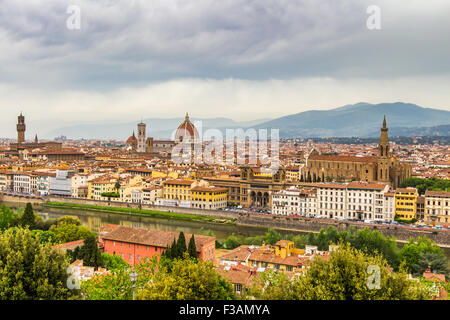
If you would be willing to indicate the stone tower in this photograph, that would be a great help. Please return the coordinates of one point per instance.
(141, 147)
(20, 129)
(383, 154)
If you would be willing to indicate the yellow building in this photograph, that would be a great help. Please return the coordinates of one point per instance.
(293, 173)
(101, 185)
(406, 203)
(208, 197)
(283, 256)
(177, 189)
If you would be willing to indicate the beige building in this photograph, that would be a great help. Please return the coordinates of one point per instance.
(437, 207)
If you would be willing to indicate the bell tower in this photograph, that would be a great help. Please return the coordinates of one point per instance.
(383, 154)
(20, 129)
(141, 147)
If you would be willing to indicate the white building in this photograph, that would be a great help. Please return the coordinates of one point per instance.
(79, 181)
(295, 201)
(61, 184)
(389, 206)
(354, 200)
(22, 183)
(149, 195)
(43, 183)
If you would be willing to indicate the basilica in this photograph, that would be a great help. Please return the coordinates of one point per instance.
(381, 168)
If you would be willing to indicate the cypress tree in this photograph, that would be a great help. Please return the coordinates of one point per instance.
(172, 250)
(28, 218)
(90, 253)
(192, 250)
(181, 245)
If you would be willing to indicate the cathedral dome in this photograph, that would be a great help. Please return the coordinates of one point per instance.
(186, 131)
(132, 140)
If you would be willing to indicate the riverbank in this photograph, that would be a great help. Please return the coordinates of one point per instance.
(401, 233)
(132, 212)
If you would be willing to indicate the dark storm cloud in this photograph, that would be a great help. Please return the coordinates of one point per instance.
(142, 41)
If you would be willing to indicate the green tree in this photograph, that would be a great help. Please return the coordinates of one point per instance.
(436, 262)
(44, 236)
(410, 253)
(181, 245)
(8, 218)
(90, 253)
(29, 269)
(272, 236)
(187, 280)
(345, 276)
(232, 242)
(69, 232)
(192, 249)
(372, 241)
(113, 262)
(28, 218)
(117, 285)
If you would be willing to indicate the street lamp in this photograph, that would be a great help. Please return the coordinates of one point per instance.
(133, 278)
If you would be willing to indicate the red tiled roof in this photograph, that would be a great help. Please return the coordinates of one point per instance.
(156, 238)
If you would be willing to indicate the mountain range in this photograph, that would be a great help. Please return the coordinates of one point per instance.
(357, 120)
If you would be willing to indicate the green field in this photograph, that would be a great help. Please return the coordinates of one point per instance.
(129, 211)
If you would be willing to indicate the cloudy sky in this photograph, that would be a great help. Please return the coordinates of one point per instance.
(242, 59)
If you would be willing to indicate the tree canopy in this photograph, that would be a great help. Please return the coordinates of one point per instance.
(348, 274)
(30, 269)
(188, 279)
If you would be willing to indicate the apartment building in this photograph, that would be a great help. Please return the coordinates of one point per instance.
(389, 206)
(405, 203)
(22, 182)
(177, 189)
(354, 200)
(209, 197)
(6, 180)
(295, 201)
(42, 185)
(149, 195)
(366, 201)
(437, 207)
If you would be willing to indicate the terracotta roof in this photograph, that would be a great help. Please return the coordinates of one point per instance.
(434, 276)
(241, 274)
(132, 139)
(343, 158)
(266, 254)
(69, 245)
(209, 189)
(240, 254)
(361, 185)
(156, 238)
(179, 181)
(186, 128)
(431, 193)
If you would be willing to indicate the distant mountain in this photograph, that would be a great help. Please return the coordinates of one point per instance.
(442, 131)
(360, 120)
(356, 120)
(156, 128)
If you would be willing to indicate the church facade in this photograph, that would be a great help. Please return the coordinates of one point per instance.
(381, 168)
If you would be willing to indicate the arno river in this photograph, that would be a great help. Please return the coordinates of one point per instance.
(95, 220)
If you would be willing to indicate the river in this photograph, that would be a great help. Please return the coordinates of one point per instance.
(95, 220)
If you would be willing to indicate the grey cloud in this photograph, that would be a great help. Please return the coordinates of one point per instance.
(125, 42)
